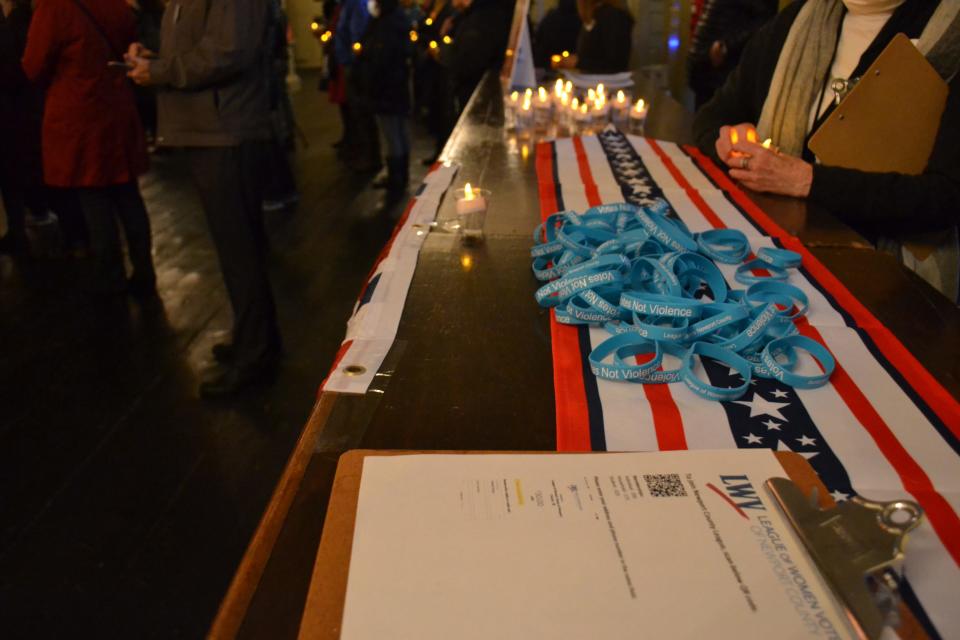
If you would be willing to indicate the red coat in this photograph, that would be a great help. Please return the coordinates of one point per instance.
(92, 135)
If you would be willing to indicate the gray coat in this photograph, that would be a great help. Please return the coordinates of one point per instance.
(212, 73)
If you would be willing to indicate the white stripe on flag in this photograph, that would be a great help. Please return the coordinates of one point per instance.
(686, 166)
(572, 191)
(607, 186)
(627, 416)
(705, 424)
(908, 424)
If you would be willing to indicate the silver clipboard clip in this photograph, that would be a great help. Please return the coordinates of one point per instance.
(855, 545)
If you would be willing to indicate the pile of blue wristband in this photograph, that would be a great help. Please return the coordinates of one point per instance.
(645, 278)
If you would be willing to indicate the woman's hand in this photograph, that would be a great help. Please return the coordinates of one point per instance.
(730, 135)
(768, 171)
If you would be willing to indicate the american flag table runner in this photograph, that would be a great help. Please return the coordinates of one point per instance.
(372, 327)
(883, 427)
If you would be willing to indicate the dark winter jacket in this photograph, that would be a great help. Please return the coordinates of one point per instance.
(606, 47)
(731, 22)
(383, 65)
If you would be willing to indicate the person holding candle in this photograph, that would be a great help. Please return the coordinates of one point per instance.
(782, 90)
(557, 32)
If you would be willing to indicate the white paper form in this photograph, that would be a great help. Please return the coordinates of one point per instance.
(625, 545)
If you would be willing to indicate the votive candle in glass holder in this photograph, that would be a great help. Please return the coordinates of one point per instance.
(638, 117)
(471, 207)
(542, 109)
(511, 103)
(620, 106)
(524, 119)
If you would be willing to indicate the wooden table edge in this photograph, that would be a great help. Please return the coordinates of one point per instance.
(243, 585)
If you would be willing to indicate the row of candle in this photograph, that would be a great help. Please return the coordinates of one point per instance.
(538, 110)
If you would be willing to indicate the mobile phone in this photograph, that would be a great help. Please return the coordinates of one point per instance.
(116, 64)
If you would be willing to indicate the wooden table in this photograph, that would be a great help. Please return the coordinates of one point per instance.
(471, 367)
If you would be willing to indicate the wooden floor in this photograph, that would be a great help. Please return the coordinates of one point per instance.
(126, 502)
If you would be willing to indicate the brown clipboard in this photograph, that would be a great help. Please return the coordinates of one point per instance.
(889, 120)
(323, 612)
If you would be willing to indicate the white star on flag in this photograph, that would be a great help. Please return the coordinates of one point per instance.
(770, 424)
(783, 446)
(839, 496)
(760, 406)
(780, 393)
(807, 442)
(753, 439)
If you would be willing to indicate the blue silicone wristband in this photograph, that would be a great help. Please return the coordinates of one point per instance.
(720, 354)
(783, 372)
(744, 275)
(729, 246)
(783, 258)
(623, 344)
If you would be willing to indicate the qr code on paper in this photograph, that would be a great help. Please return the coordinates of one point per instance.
(665, 485)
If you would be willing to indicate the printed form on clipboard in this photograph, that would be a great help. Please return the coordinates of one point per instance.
(653, 545)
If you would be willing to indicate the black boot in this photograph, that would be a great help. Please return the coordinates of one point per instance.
(404, 165)
(396, 186)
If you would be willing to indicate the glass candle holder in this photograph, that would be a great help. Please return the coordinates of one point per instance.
(638, 117)
(471, 208)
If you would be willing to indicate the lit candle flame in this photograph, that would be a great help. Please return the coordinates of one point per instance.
(568, 87)
(314, 26)
(558, 87)
(357, 47)
(767, 143)
(428, 21)
(528, 93)
(591, 95)
(414, 36)
(447, 40)
(468, 192)
(555, 59)
(621, 96)
(752, 136)
(433, 44)
(542, 94)
(734, 136)
(583, 108)
(575, 104)
(600, 89)
(515, 96)
(640, 106)
(565, 54)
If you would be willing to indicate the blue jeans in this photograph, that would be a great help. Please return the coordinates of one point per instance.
(396, 134)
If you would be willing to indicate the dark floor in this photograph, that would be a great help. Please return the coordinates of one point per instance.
(126, 502)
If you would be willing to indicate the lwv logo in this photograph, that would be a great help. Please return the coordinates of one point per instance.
(739, 493)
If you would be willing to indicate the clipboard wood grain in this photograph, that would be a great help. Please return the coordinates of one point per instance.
(890, 119)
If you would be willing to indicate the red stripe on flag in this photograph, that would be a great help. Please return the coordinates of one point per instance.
(546, 186)
(915, 480)
(944, 405)
(942, 516)
(692, 193)
(667, 421)
(589, 186)
(573, 419)
(741, 198)
(940, 401)
(570, 396)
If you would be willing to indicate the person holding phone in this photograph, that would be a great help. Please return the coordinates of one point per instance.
(92, 139)
(211, 75)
